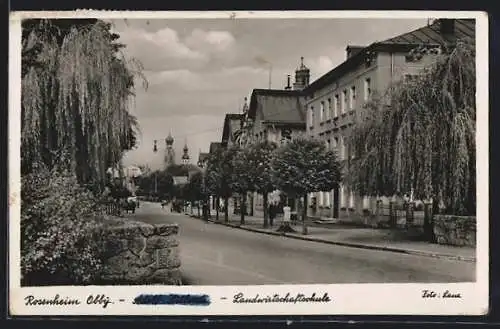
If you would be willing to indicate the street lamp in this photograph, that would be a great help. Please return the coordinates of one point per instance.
(155, 149)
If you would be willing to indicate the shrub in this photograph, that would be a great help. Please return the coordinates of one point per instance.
(60, 240)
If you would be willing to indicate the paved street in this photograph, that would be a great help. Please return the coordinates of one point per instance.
(213, 254)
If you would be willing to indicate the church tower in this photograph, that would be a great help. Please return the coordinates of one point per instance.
(302, 76)
(169, 151)
(185, 154)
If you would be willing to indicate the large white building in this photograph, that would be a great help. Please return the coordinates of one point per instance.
(335, 99)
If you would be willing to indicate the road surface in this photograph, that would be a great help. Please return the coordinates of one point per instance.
(213, 254)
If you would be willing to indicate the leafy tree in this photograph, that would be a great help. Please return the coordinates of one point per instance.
(213, 177)
(303, 166)
(79, 109)
(241, 180)
(177, 170)
(420, 136)
(258, 173)
(195, 190)
(75, 124)
(219, 175)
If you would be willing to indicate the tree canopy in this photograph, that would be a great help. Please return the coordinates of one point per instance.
(420, 135)
(219, 172)
(303, 166)
(76, 93)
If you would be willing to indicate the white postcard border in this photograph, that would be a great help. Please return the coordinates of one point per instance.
(348, 299)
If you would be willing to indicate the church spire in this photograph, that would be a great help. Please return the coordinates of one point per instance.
(185, 155)
(169, 150)
(302, 76)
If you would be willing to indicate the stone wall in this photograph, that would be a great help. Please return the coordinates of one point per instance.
(137, 253)
(455, 230)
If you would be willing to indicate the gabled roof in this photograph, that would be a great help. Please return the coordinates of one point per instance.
(232, 122)
(429, 35)
(277, 105)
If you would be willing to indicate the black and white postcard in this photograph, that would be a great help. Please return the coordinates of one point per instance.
(248, 163)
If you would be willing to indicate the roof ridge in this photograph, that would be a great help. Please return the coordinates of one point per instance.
(409, 32)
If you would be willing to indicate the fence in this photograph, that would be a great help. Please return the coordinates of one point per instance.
(401, 215)
(112, 208)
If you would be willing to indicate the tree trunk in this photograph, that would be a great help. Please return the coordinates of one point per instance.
(304, 216)
(217, 200)
(266, 212)
(428, 227)
(243, 207)
(251, 203)
(198, 206)
(206, 209)
(226, 209)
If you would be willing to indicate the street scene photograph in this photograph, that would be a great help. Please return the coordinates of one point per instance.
(245, 151)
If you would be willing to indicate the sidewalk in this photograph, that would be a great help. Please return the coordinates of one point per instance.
(357, 237)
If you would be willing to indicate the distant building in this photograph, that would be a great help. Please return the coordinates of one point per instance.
(275, 115)
(202, 159)
(232, 129)
(180, 180)
(185, 155)
(333, 100)
(214, 146)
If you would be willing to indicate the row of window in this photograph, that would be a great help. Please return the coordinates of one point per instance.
(338, 144)
(325, 199)
(286, 136)
(341, 103)
(346, 199)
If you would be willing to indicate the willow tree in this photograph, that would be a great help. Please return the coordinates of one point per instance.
(77, 89)
(420, 136)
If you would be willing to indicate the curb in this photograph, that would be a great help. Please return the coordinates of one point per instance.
(354, 245)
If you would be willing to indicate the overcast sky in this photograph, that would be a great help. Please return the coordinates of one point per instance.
(198, 70)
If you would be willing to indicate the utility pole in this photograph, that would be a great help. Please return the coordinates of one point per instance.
(155, 149)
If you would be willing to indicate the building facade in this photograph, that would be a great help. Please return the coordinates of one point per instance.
(202, 159)
(278, 116)
(335, 100)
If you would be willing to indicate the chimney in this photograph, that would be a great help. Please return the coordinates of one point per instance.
(447, 26)
(352, 50)
(288, 86)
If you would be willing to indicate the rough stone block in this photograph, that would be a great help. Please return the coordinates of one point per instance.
(455, 230)
(166, 229)
(138, 273)
(166, 276)
(168, 258)
(160, 242)
(137, 244)
(141, 254)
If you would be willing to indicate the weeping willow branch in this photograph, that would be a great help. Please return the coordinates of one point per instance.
(420, 135)
(76, 100)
